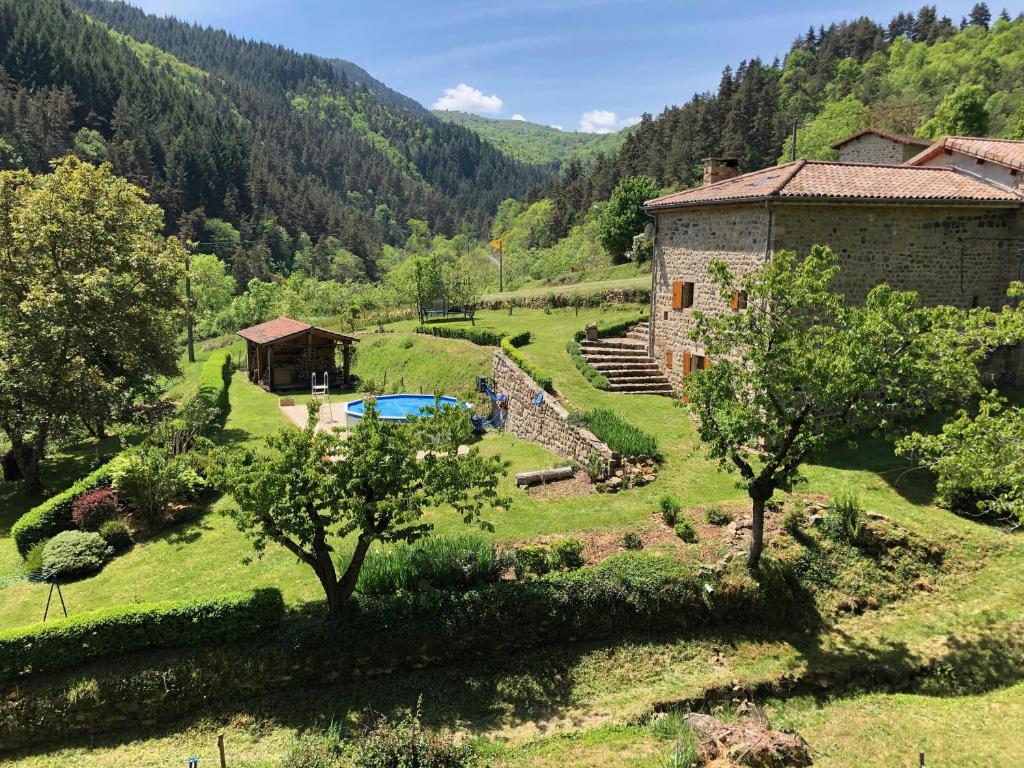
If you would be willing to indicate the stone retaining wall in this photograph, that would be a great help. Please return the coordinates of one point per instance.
(546, 424)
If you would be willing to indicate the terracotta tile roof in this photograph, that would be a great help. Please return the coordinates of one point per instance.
(897, 137)
(808, 179)
(282, 328)
(1002, 151)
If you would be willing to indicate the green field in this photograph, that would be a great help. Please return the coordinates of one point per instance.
(586, 704)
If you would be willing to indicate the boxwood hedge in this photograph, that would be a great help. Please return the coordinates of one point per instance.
(214, 379)
(544, 380)
(121, 629)
(479, 336)
(611, 330)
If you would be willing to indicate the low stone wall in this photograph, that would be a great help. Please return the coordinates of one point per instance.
(546, 424)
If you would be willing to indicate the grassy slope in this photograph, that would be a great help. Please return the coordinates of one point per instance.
(587, 694)
(533, 143)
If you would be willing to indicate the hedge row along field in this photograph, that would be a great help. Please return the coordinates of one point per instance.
(54, 515)
(122, 629)
(610, 330)
(479, 336)
(621, 436)
(544, 380)
(626, 593)
(591, 374)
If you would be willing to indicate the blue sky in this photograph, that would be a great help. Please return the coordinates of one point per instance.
(577, 64)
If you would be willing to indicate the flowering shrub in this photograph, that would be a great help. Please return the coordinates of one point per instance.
(93, 508)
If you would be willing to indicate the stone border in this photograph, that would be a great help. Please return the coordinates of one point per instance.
(548, 423)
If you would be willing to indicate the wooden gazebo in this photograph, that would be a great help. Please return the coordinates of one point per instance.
(285, 353)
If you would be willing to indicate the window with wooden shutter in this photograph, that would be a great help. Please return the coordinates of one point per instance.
(668, 358)
(739, 300)
(707, 362)
(677, 294)
(688, 291)
(686, 362)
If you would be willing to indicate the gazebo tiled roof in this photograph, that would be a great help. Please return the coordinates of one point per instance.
(283, 328)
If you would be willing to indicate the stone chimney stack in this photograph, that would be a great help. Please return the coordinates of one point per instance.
(720, 169)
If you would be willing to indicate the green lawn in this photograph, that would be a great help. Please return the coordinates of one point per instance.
(579, 705)
(588, 288)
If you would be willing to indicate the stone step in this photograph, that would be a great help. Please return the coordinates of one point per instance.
(616, 343)
(637, 336)
(638, 369)
(631, 377)
(624, 359)
(641, 389)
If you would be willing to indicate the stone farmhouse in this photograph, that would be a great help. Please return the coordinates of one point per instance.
(879, 147)
(947, 223)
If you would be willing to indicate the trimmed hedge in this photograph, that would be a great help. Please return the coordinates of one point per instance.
(54, 515)
(622, 437)
(543, 380)
(479, 336)
(214, 380)
(114, 631)
(611, 330)
(594, 376)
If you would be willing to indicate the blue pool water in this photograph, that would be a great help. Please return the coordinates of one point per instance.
(398, 407)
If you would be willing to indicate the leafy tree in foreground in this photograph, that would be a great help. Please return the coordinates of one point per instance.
(622, 218)
(89, 301)
(310, 489)
(799, 369)
(979, 460)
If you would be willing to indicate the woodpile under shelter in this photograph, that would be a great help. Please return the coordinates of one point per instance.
(285, 353)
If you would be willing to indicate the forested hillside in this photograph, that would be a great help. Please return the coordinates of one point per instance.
(538, 144)
(919, 74)
(204, 120)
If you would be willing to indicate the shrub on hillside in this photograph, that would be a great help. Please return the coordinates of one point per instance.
(75, 554)
(568, 553)
(544, 381)
(316, 749)
(718, 516)
(479, 336)
(533, 560)
(117, 535)
(33, 563)
(632, 541)
(686, 531)
(151, 479)
(620, 436)
(844, 521)
(406, 743)
(93, 508)
(670, 508)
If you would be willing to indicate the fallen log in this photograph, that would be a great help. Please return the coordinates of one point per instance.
(544, 476)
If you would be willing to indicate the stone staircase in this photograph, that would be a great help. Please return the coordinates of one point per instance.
(626, 364)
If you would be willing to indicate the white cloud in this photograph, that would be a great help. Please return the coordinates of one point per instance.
(517, 116)
(603, 121)
(466, 98)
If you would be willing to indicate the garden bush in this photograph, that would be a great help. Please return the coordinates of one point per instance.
(534, 560)
(75, 554)
(594, 376)
(316, 749)
(686, 531)
(122, 629)
(406, 743)
(670, 508)
(117, 535)
(150, 479)
(568, 553)
(718, 516)
(433, 562)
(544, 381)
(93, 508)
(33, 563)
(632, 540)
(620, 436)
(844, 521)
(214, 380)
(54, 515)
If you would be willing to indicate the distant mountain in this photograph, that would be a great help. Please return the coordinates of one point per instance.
(538, 144)
(248, 132)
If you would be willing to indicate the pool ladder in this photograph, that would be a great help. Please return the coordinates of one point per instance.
(323, 391)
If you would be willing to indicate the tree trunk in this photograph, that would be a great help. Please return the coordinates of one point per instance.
(346, 585)
(28, 456)
(756, 531)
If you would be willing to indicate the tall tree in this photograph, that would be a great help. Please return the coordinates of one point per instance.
(623, 218)
(312, 488)
(89, 301)
(799, 370)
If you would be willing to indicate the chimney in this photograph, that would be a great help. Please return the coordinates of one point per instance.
(720, 169)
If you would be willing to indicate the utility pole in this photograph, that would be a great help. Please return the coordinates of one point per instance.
(792, 149)
(189, 319)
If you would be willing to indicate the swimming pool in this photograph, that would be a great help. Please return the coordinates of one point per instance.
(397, 407)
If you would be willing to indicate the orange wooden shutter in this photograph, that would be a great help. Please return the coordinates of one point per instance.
(686, 362)
(677, 294)
(668, 358)
(735, 303)
(707, 362)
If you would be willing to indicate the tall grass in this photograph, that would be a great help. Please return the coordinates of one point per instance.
(434, 562)
(619, 435)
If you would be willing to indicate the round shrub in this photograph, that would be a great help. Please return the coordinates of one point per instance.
(93, 508)
(534, 559)
(686, 531)
(631, 540)
(74, 554)
(670, 508)
(569, 553)
(406, 742)
(117, 535)
(718, 516)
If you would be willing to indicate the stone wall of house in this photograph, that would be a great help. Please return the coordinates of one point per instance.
(871, 148)
(546, 424)
(950, 255)
(687, 241)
